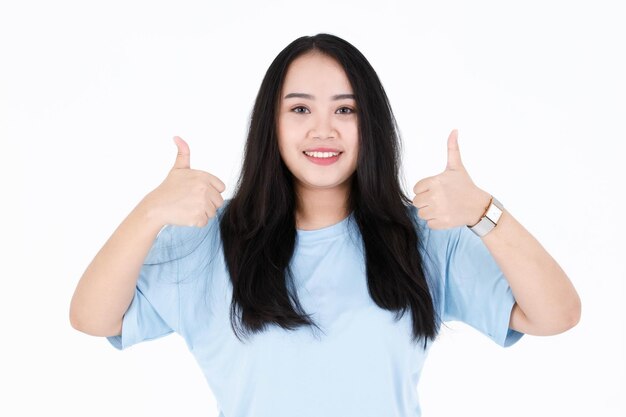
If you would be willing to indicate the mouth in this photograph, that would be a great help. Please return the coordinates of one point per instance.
(322, 158)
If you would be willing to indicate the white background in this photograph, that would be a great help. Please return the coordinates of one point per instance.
(92, 93)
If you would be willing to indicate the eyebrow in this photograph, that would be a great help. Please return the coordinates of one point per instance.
(311, 97)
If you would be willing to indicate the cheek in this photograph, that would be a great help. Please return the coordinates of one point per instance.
(282, 138)
(286, 149)
(289, 134)
(353, 137)
(354, 145)
(350, 131)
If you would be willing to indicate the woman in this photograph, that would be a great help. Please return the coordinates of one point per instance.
(292, 295)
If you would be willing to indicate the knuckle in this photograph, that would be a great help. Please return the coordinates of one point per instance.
(202, 188)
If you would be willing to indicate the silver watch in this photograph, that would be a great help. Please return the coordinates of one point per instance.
(489, 220)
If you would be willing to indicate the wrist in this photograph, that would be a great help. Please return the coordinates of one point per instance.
(490, 219)
(148, 214)
(484, 201)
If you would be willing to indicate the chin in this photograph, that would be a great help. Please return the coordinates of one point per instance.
(324, 185)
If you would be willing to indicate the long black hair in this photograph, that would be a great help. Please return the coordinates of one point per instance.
(258, 226)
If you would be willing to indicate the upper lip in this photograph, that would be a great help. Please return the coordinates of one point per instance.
(322, 150)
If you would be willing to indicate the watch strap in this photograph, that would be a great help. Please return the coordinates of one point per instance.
(489, 219)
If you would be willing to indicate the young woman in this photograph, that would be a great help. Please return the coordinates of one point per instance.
(318, 288)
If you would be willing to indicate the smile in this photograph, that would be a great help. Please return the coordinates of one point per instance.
(317, 154)
(322, 158)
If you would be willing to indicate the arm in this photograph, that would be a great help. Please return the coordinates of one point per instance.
(107, 286)
(546, 301)
(106, 289)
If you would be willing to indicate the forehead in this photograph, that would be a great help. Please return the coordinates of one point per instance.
(316, 72)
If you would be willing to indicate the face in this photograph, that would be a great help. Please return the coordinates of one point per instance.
(317, 123)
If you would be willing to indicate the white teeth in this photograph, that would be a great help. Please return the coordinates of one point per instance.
(321, 154)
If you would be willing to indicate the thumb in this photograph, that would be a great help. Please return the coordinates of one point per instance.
(454, 155)
(183, 157)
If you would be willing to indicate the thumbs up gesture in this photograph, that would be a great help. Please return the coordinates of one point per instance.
(187, 197)
(450, 199)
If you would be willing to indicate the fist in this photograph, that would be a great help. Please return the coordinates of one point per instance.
(450, 199)
(187, 197)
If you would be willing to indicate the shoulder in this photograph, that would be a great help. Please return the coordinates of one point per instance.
(175, 242)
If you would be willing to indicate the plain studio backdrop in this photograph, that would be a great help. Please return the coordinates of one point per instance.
(92, 94)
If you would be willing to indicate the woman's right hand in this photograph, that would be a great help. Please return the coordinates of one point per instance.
(187, 197)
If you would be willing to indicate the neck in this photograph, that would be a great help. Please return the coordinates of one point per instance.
(318, 208)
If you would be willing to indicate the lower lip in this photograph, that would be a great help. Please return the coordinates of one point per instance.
(323, 161)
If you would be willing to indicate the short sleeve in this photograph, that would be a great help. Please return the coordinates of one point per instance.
(466, 283)
(155, 308)
(476, 291)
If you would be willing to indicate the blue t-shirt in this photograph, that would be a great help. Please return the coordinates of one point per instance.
(364, 364)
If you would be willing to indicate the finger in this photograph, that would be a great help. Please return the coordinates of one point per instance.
(425, 213)
(217, 183)
(214, 181)
(422, 185)
(183, 157)
(210, 212)
(435, 224)
(420, 201)
(215, 198)
(454, 154)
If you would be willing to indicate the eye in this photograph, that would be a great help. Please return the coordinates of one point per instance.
(297, 109)
(345, 110)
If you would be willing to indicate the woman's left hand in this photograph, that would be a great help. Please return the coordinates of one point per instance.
(450, 199)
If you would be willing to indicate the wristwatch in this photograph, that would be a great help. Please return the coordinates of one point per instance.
(490, 218)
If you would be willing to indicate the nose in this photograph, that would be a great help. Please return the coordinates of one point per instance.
(323, 127)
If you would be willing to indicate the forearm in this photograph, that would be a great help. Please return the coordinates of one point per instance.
(541, 288)
(107, 286)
